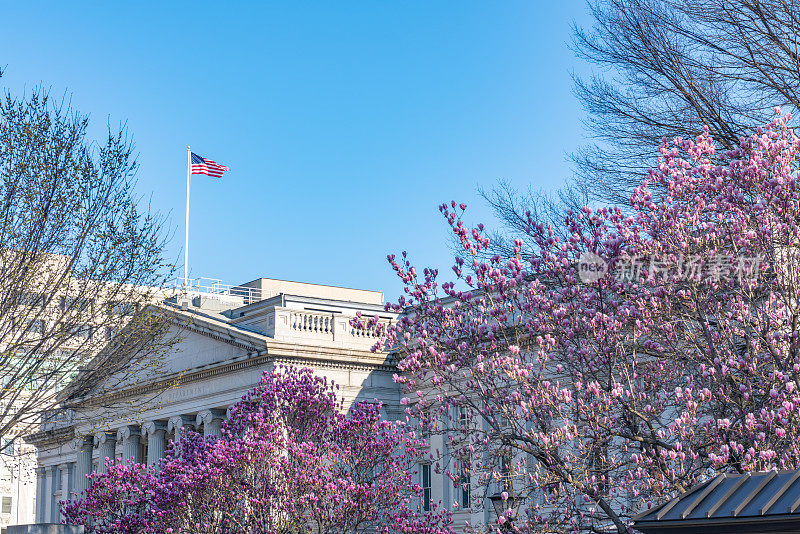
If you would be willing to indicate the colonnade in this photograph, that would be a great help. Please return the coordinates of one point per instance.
(65, 481)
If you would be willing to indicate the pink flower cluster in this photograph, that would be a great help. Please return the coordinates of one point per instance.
(594, 400)
(288, 460)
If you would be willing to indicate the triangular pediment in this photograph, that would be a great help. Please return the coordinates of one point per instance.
(190, 342)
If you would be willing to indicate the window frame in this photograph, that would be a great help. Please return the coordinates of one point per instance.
(426, 485)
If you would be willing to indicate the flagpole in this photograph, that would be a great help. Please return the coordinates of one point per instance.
(186, 242)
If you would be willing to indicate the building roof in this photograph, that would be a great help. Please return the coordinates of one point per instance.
(752, 502)
(270, 287)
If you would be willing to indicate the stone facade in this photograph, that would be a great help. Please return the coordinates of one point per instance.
(223, 345)
(225, 340)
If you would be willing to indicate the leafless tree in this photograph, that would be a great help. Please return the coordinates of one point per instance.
(666, 68)
(515, 209)
(79, 260)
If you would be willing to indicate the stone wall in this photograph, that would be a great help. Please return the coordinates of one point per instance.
(45, 528)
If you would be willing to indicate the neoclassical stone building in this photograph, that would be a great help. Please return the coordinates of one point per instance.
(225, 338)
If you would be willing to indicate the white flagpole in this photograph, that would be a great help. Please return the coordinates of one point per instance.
(186, 243)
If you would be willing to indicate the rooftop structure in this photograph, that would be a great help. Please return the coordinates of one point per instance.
(730, 503)
(264, 288)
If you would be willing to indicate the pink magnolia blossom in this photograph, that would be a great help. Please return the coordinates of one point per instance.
(288, 460)
(604, 397)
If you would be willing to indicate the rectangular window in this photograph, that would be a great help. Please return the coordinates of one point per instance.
(35, 326)
(8, 447)
(426, 487)
(463, 416)
(505, 473)
(83, 331)
(425, 431)
(27, 298)
(75, 303)
(599, 460)
(6, 505)
(465, 482)
(122, 309)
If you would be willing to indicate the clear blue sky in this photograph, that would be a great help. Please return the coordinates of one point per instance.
(345, 124)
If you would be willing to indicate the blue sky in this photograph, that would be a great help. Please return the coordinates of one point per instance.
(345, 124)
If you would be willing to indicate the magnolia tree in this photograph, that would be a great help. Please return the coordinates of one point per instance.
(288, 461)
(610, 370)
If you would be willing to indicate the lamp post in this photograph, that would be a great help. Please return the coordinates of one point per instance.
(504, 502)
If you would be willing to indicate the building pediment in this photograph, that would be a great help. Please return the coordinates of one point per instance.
(187, 341)
(205, 347)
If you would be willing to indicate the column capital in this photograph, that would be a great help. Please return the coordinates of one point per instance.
(78, 442)
(41, 471)
(205, 417)
(151, 427)
(180, 421)
(102, 437)
(125, 432)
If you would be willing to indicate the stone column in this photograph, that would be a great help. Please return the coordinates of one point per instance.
(64, 471)
(106, 443)
(178, 424)
(211, 421)
(155, 432)
(55, 512)
(47, 494)
(83, 465)
(129, 436)
(41, 481)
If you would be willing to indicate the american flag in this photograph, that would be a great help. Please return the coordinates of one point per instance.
(201, 165)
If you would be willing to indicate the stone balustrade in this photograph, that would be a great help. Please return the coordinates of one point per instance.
(290, 324)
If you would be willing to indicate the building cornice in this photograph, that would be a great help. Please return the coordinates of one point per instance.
(275, 352)
(241, 340)
(46, 438)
